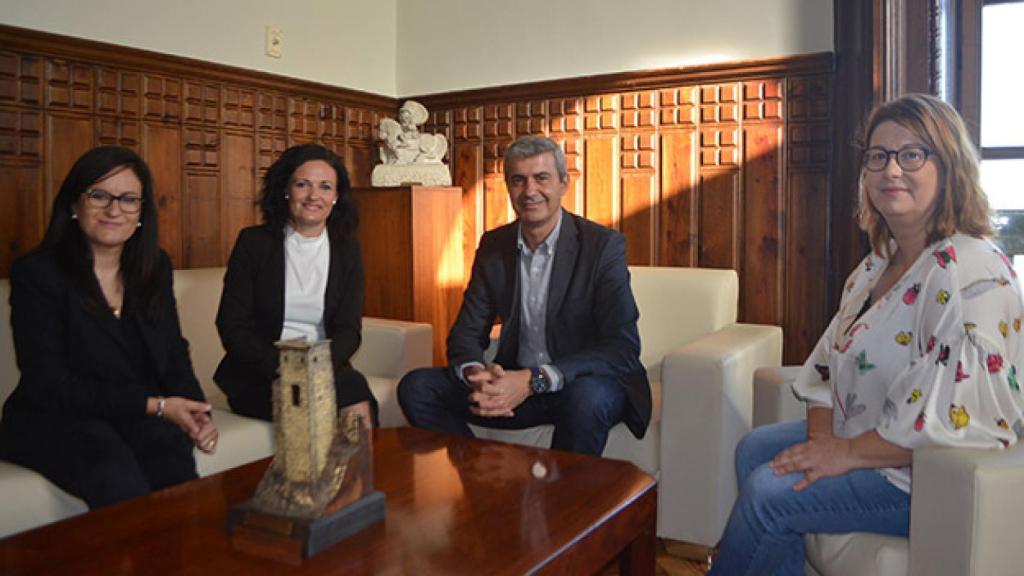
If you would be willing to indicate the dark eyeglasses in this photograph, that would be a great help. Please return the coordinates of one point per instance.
(910, 158)
(129, 203)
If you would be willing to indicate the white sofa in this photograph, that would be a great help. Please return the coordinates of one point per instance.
(699, 359)
(700, 362)
(964, 510)
(390, 348)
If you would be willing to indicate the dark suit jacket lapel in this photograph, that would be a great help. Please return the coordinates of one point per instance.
(333, 277)
(563, 266)
(509, 338)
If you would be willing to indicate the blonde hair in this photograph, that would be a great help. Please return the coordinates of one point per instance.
(961, 204)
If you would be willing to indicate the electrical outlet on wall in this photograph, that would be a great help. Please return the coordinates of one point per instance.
(275, 42)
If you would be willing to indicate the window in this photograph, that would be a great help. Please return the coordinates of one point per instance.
(1002, 128)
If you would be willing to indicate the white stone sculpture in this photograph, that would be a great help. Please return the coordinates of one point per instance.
(409, 156)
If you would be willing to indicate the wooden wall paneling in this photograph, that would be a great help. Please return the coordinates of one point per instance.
(20, 134)
(599, 176)
(203, 242)
(69, 85)
(809, 268)
(564, 125)
(67, 138)
(238, 108)
(305, 117)
(113, 131)
(161, 147)
(23, 212)
(678, 206)
(21, 79)
(202, 103)
(806, 263)
(161, 98)
(467, 164)
(271, 112)
(498, 133)
(638, 185)
(239, 189)
(269, 145)
(720, 231)
(334, 123)
(719, 224)
(361, 151)
(202, 148)
(118, 92)
(638, 120)
(600, 127)
(497, 208)
(763, 202)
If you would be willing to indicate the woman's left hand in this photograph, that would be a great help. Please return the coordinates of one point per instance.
(816, 459)
(206, 438)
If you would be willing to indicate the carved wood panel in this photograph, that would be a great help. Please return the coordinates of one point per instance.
(208, 132)
(118, 132)
(68, 85)
(239, 108)
(203, 242)
(20, 79)
(202, 103)
(161, 98)
(161, 146)
(67, 138)
(117, 92)
(22, 211)
(239, 189)
(20, 134)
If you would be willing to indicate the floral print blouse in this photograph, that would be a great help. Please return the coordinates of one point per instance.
(936, 360)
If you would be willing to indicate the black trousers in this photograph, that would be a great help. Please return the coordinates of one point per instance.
(99, 461)
(350, 387)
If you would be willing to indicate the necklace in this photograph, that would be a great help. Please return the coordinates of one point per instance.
(117, 312)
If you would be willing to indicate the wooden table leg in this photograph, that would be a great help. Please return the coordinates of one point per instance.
(638, 558)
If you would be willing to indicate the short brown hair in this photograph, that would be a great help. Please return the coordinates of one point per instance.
(961, 204)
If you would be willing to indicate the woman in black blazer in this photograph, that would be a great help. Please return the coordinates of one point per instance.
(107, 407)
(298, 275)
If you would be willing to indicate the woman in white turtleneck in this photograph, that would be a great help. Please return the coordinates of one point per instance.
(298, 275)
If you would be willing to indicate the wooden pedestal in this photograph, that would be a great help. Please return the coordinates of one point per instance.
(411, 238)
(292, 539)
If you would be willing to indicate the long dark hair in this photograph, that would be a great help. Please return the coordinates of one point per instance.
(344, 217)
(140, 270)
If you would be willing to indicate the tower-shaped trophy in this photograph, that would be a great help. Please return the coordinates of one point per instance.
(319, 486)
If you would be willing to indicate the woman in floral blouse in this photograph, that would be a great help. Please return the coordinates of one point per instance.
(925, 350)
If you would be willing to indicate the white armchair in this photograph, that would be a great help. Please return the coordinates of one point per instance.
(964, 509)
(700, 362)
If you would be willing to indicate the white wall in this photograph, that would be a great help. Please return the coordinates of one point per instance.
(448, 45)
(349, 43)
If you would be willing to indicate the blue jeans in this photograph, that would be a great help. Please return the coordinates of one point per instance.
(765, 531)
(583, 411)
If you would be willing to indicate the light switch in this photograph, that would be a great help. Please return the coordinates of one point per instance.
(275, 42)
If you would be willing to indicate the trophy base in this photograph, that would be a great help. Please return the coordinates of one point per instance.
(290, 539)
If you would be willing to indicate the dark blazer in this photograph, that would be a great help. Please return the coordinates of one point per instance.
(74, 361)
(591, 313)
(251, 312)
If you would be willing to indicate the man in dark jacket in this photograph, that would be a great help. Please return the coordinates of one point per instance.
(569, 349)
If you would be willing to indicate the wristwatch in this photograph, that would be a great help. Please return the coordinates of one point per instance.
(539, 382)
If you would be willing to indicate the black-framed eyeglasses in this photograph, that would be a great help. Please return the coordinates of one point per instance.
(129, 203)
(910, 158)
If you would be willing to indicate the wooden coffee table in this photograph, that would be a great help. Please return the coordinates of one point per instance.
(454, 506)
